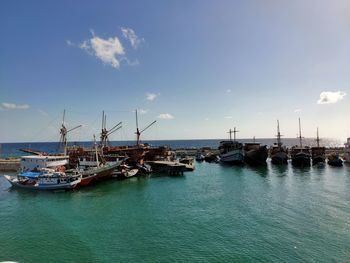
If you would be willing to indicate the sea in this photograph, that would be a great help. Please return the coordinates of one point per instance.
(217, 213)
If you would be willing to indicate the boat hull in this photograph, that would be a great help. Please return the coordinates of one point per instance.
(233, 157)
(301, 160)
(256, 157)
(318, 160)
(49, 187)
(279, 158)
(337, 163)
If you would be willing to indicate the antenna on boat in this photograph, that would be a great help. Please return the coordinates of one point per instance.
(300, 138)
(138, 132)
(64, 132)
(104, 132)
(318, 139)
(279, 142)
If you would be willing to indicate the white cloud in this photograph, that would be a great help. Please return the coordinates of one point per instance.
(328, 97)
(228, 91)
(151, 96)
(228, 117)
(110, 51)
(297, 110)
(165, 116)
(12, 106)
(130, 35)
(206, 119)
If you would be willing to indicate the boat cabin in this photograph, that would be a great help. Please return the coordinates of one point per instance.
(32, 162)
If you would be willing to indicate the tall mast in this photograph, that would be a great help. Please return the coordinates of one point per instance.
(230, 132)
(96, 155)
(279, 143)
(234, 133)
(137, 130)
(300, 138)
(318, 139)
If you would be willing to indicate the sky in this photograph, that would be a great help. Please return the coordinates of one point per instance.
(197, 67)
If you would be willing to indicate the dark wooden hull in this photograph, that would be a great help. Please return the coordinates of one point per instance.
(301, 160)
(279, 158)
(336, 162)
(256, 157)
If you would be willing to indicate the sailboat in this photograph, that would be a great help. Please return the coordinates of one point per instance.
(279, 153)
(301, 154)
(231, 151)
(318, 153)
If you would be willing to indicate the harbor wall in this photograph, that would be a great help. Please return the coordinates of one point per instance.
(9, 165)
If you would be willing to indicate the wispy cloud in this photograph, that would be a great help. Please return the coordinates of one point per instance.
(151, 96)
(228, 91)
(142, 111)
(228, 117)
(206, 119)
(43, 113)
(328, 97)
(166, 116)
(130, 35)
(13, 106)
(297, 110)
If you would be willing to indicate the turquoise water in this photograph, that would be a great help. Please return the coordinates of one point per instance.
(214, 214)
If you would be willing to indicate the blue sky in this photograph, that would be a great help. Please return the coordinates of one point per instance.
(197, 67)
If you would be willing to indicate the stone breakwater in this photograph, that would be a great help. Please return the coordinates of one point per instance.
(9, 164)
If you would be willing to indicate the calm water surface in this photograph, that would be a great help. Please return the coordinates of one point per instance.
(215, 214)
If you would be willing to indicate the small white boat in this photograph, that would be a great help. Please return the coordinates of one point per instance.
(45, 179)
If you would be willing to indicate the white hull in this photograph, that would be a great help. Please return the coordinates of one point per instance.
(13, 180)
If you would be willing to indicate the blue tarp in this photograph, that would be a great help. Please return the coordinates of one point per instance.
(30, 174)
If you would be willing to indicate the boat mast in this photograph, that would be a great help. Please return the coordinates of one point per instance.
(64, 132)
(300, 138)
(234, 133)
(138, 132)
(96, 155)
(230, 132)
(279, 143)
(104, 132)
(318, 139)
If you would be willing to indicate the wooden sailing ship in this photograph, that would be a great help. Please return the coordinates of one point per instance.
(300, 155)
(318, 153)
(278, 152)
(231, 151)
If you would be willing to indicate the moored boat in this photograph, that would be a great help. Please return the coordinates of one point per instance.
(334, 160)
(199, 156)
(231, 151)
(300, 155)
(318, 153)
(255, 154)
(278, 152)
(45, 179)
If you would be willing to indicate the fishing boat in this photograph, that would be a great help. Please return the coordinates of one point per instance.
(45, 179)
(125, 171)
(334, 160)
(231, 151)
(278, 152)
(318, 153)
(346, 155)
(199, 156)
(94, 170)
(300, 155)
(255, 154)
